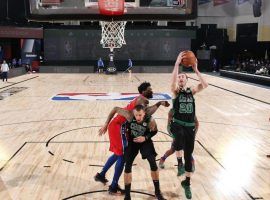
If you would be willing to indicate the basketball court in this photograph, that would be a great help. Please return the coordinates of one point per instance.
(50, 149)
(49, 143)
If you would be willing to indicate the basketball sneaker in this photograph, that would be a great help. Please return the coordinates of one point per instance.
(187, 189)
(159, 196)
(181, 170)
(116, 191)
(98, 177)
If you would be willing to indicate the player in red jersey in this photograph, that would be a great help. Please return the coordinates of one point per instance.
(116, 128)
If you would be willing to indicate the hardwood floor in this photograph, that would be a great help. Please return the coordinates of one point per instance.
(51, 150)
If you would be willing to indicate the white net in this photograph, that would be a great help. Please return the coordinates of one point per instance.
(112, 34)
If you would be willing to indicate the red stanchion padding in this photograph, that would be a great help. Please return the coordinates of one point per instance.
(111, 7)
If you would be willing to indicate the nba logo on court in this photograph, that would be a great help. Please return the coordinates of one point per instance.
(105, 96)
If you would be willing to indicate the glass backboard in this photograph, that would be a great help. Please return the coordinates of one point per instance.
(49, 10)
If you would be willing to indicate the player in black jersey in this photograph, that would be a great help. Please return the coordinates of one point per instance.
(141, 128)
(183, 125)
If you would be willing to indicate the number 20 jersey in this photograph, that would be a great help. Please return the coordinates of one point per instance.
(184, 106)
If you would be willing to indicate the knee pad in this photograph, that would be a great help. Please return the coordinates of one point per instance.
(178, 145)
(173, 146)
(152, 163)
(188, 162)
(128, 170)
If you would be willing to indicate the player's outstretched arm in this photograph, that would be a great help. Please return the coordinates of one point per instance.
(125, 113)
(142, 101)
(203, 84)
(120, 111)
(152, 109)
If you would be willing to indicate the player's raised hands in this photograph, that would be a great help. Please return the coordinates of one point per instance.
(195, 66)
(180, 57)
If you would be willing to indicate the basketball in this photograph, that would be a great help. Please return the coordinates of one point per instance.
(189, 59)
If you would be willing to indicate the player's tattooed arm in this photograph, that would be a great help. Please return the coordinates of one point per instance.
(104, 128)
(120, 111)
(153, 125)
(153, 129)
(152, 109)
(142, 101)
(125, 113)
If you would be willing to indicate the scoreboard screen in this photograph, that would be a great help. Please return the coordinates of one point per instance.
(49, 10)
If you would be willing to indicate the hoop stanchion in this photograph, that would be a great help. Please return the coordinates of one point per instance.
(112, 36)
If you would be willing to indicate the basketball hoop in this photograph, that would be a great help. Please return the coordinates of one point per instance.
(112, 34)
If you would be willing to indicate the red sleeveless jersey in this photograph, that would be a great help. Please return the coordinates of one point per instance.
(120, 119)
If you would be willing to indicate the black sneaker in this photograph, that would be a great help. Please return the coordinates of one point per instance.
(100, 178)
(116, 191)
(159, 196)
